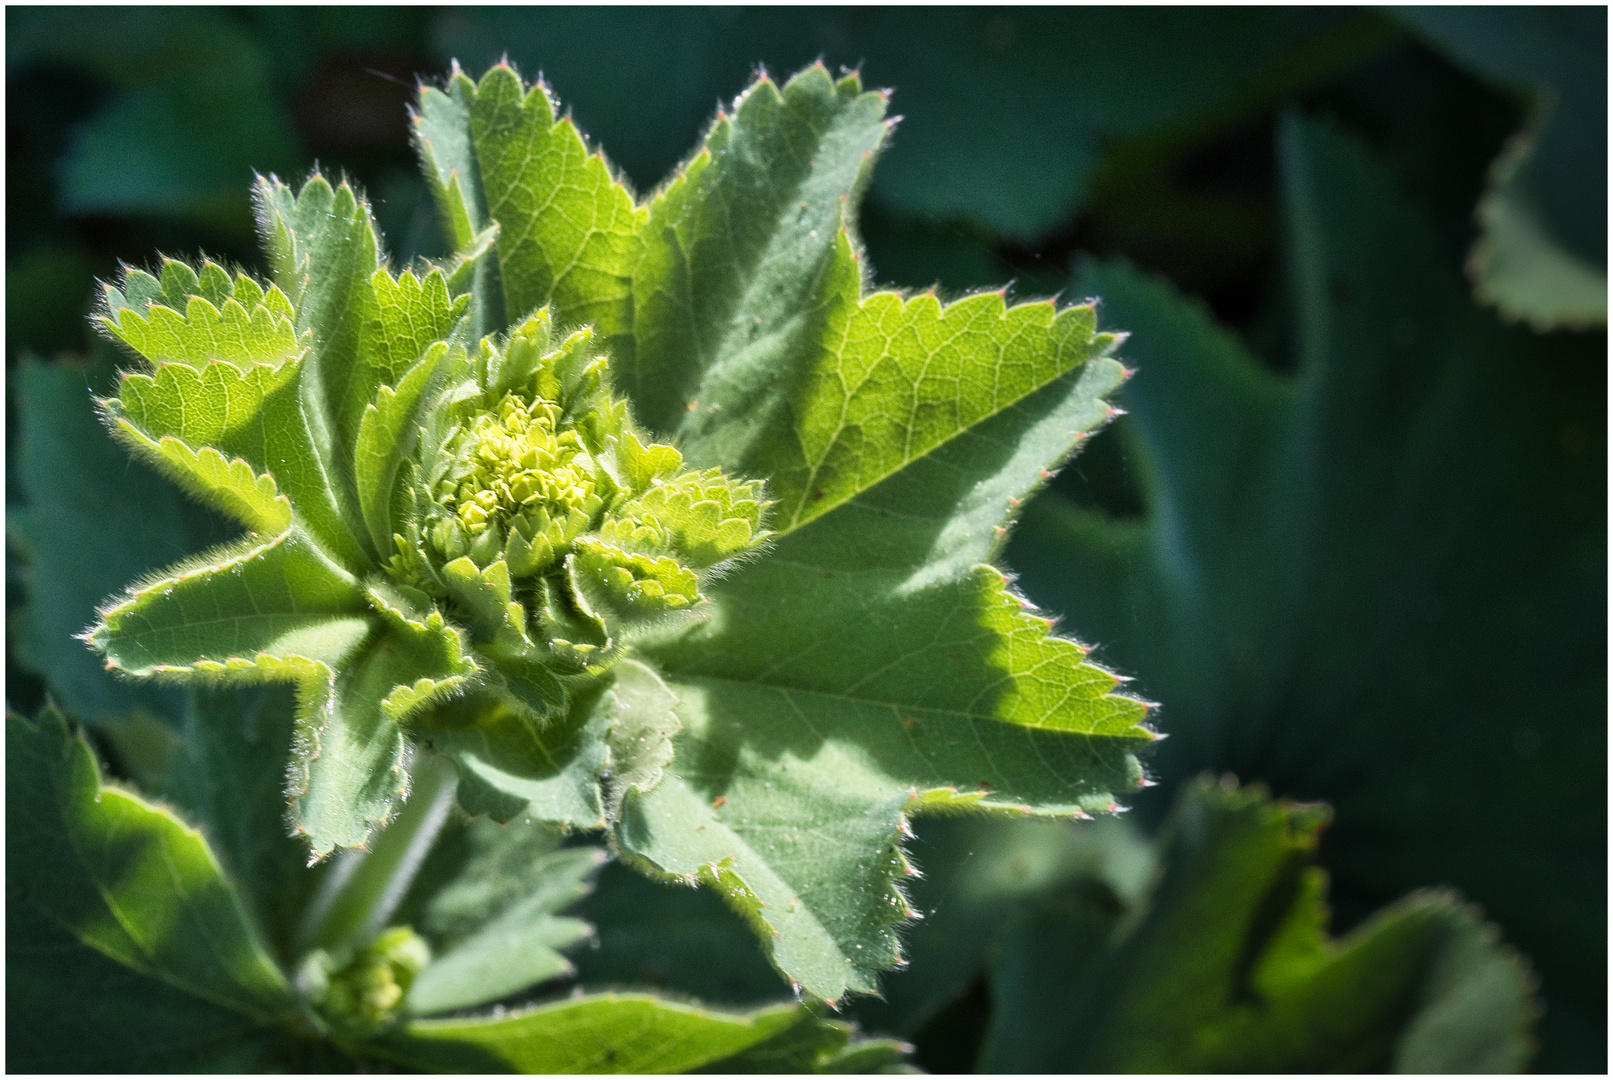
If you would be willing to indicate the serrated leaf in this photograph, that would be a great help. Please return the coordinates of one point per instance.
(836, 679)
(102, 885)
(274, 602)
(898, 674)
(895, 379)
(1311, 590)
(202, 333)
(350, 766)
(176, 282)
(411, 315)
(279, 612)
(255, 415)
(629, 1033)
(229, 486)
(323, 249)
(203, 404)
(442, 137)
(1230, 968)
(567, 229)
(734, 284)
(399, 348)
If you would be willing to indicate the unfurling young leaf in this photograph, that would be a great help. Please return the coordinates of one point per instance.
(751, 637)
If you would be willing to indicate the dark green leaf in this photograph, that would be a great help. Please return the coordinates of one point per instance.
(228, 777)
(868, 667)
(85, 533)
(1330, 559)
(126, 945)
(495, 925)
(739, 270)
(1229, 969)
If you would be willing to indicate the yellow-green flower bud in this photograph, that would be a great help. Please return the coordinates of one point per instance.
(359, 991)
(544, 519)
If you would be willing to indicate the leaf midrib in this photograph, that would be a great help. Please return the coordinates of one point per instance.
(894, 706)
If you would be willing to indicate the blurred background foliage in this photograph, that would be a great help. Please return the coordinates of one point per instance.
(1352, 535)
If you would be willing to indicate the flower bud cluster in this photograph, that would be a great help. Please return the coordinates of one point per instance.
(530, 472)
(526, 489)
(359, 991)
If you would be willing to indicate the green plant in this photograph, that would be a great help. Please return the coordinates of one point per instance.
(748, 640)
(461, 548)
(457, 535)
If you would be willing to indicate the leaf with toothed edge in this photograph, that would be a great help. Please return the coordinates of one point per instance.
(868, 666)
(568, 230)
(734, 284)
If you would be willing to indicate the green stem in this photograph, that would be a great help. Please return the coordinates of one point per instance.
(363, 888)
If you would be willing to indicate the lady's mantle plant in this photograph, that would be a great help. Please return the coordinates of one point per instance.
(748, 637)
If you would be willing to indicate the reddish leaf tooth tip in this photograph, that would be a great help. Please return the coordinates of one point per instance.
(718, 801)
